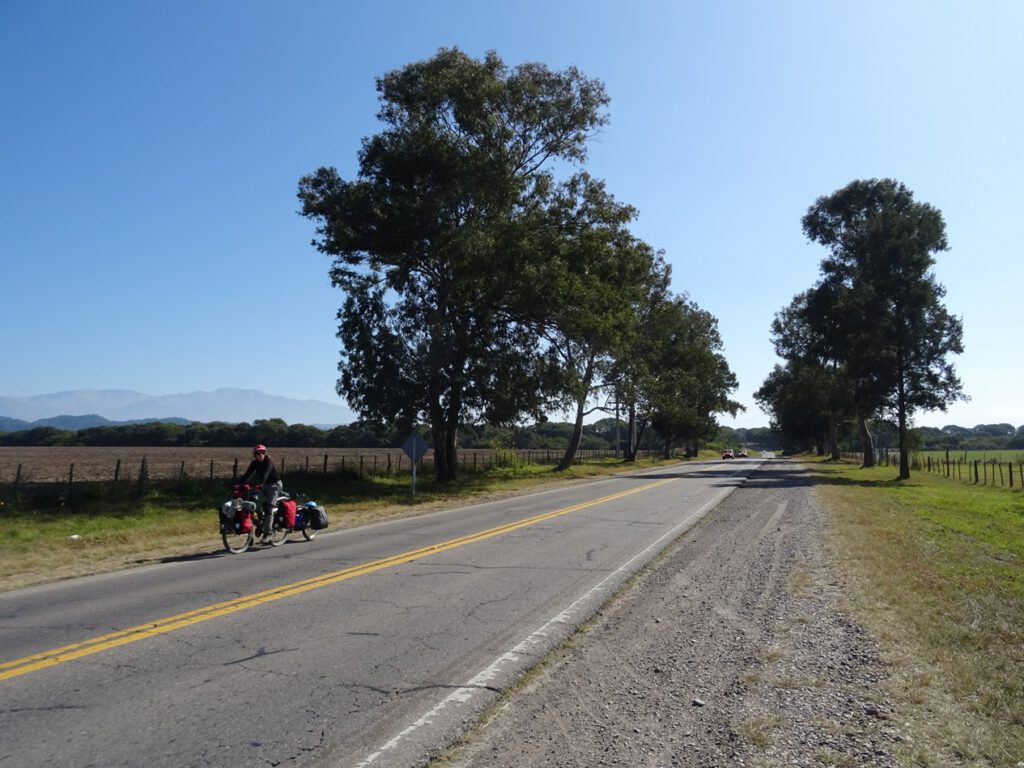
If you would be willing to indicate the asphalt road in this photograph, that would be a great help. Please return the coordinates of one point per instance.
(370, 646)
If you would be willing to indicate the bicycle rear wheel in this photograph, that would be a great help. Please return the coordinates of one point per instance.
(236, 542)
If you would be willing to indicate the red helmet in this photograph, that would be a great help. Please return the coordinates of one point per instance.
(261, 448)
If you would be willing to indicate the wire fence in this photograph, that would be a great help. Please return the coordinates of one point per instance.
(995, 472)
(22, 469)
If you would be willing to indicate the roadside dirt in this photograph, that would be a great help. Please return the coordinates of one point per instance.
(732, 650)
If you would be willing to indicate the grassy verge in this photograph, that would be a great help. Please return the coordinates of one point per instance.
(937, 575)
(96, 533)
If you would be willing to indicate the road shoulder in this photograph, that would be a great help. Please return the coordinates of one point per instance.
(732, 648)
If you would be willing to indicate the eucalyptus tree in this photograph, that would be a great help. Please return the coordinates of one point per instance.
(633, 371)
(673, 378)
(811, 330)
(432, 243)
(594, 274)
(795, 396)
(692, 380)
(900, 336)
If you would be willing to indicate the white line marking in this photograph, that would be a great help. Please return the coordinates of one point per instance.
(473, 686)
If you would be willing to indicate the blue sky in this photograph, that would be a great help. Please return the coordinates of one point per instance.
(150, 154)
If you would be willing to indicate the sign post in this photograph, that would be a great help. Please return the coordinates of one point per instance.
(414, 447)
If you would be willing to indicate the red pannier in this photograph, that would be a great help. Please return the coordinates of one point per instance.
(243, 521)
(286, 510)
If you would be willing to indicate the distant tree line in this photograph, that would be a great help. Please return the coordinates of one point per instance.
(983, 437)
(885, 436)
(549, 435)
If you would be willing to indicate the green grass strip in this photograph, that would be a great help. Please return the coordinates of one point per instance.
(936, 570)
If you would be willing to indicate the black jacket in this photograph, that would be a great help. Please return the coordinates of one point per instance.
(262, 472)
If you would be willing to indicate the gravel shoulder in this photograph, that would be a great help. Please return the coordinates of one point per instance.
(732, 649)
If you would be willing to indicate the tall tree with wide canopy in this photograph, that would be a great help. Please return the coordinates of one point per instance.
(881, 244)
(434, 240)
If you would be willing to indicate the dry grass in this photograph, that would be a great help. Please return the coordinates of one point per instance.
(759, 731)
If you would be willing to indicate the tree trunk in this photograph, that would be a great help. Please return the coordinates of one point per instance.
(574, 441)
(904, 449)
(867, 442)
(833, 435)
(581, 405)
(451, 436)
(668, 447)
(444, 430)
(630, 453)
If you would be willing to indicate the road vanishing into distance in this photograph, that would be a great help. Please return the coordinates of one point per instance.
(373, 646)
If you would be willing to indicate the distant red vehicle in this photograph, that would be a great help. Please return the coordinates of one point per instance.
(728, 454)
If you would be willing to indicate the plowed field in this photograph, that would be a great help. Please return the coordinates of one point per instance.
(58, 464)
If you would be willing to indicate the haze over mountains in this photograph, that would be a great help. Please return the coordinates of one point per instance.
(120, 405)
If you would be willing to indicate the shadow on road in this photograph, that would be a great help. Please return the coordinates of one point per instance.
(772, 473)
(193, 557)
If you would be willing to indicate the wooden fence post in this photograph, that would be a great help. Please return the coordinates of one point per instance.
(17, 486)
(325, 463)
(117, 471)
(71, 476)
(211, 470)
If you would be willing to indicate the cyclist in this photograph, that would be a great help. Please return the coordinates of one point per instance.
(264, 473)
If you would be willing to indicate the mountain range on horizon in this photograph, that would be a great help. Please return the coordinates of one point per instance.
(230, 405)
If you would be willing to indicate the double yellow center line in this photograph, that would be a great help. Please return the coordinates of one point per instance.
(37, 661)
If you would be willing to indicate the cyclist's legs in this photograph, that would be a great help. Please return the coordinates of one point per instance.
(270, 494)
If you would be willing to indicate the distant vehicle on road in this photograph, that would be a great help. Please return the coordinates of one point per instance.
(728, 454)
(742, 454)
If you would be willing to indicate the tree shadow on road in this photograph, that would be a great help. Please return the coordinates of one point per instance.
(770, 473)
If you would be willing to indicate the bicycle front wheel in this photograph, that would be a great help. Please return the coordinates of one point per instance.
(277, 536)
